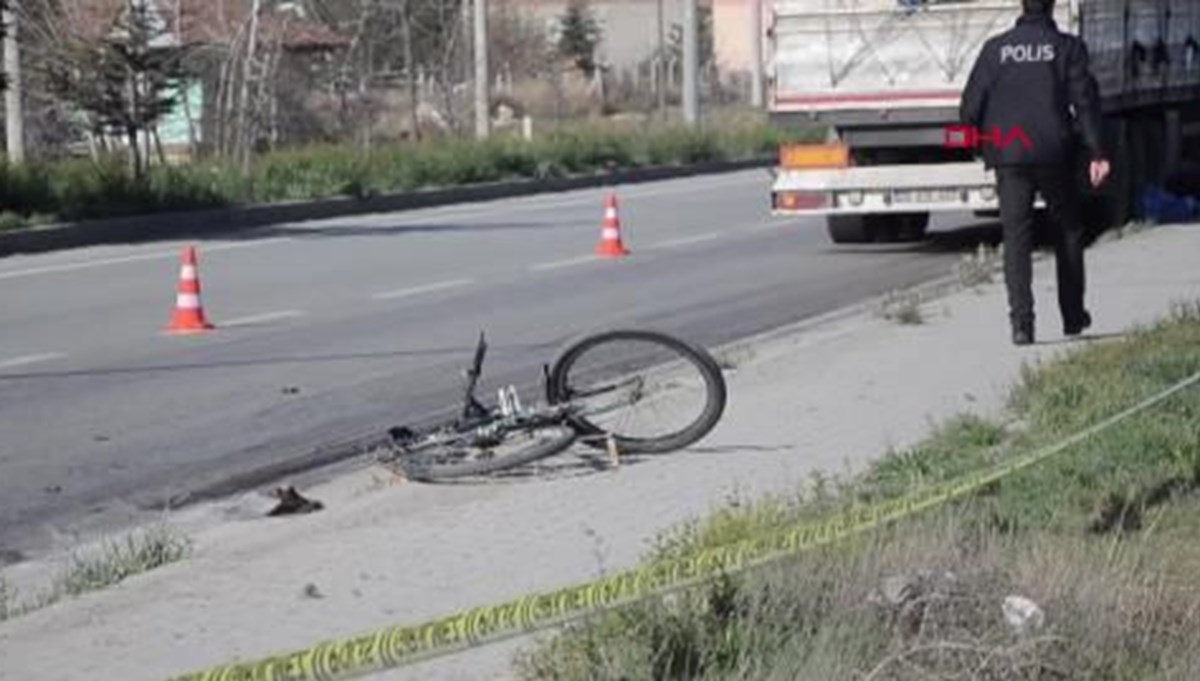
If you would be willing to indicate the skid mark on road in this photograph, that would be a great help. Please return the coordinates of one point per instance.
(125, 259)
(26, 360)
(418, 290)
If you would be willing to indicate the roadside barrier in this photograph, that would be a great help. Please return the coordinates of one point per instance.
(402, 645)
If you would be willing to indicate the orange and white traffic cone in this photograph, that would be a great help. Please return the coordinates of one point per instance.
(189, 311)
(610, 245)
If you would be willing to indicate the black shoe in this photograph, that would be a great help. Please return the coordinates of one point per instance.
(1076, 327)
(1022, 336)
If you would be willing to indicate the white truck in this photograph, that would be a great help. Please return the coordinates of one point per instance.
(884, 79)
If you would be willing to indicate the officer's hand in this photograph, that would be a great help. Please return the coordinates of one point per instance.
(1099, 171)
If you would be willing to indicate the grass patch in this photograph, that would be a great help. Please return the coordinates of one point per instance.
(115, 562)
(976, 269)
(902, 307)
(1101, 537)
(924, 603)
(80, 189)
(120, 560)
(8, 600)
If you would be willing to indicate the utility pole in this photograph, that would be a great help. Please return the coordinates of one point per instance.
(14, 114)
(757, 98)
(691, 64)
(482, 76)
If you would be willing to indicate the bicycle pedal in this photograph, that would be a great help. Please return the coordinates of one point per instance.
(614, 455)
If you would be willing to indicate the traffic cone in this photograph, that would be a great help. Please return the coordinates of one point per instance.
(189, 311)
(610, 245)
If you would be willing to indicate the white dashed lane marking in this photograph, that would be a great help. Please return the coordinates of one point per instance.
(559, 264)
(264, 317)
(158, 255)
(418, 290)
(26, 360)
(697, 239)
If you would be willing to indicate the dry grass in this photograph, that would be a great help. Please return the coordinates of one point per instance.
(828, 615)
(978, 268)
(902, 307)
(113, 563)
(8, 600)
(1102, 537)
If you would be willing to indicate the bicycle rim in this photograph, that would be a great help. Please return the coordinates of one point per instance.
(649, 391)
(460, 458)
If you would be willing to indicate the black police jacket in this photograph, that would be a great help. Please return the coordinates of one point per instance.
(1029, 89)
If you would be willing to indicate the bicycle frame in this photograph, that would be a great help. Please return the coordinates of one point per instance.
(484, 438)
(510, 415)
(491, 423)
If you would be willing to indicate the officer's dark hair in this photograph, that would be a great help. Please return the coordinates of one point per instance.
(1037, 6)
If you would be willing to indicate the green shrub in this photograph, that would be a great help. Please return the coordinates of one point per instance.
(82, 189)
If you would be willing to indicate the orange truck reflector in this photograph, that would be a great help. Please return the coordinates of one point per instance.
(796, 156)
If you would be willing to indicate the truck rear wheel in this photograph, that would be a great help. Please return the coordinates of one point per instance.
(908, 226)
(860, 229)
(850, 229)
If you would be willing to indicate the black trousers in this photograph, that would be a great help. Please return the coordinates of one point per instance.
(1056, 184)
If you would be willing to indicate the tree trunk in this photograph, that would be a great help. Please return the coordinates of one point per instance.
(410, 65)
(158, 147)
(184, 87)
(135, 153)
(364, 118)
(131, 128)
(224, 98)
(243, 133)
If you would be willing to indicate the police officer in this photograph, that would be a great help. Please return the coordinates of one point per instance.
(1025, 91)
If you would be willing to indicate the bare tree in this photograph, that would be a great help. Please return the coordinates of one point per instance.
(245, 133)
(410, 67)
(122, 80)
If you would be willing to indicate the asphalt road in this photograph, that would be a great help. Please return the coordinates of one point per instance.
(331, 331)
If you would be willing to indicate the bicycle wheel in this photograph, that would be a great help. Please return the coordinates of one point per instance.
(626, 380)
(461, 455)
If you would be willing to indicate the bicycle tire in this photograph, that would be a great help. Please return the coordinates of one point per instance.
(558, 391)
(414, 469)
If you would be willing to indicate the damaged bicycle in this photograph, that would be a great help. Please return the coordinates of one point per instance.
(626, 391)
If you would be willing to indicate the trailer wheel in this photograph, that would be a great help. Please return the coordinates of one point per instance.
(911, 226)
(859, 229)
(850, 229)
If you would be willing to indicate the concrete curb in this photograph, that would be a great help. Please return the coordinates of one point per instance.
(149, 227)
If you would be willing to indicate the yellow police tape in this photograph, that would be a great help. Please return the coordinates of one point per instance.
(400, 645)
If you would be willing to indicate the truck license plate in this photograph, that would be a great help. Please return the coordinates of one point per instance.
(925, 196)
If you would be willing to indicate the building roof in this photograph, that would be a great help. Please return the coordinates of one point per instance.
(208, 22)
